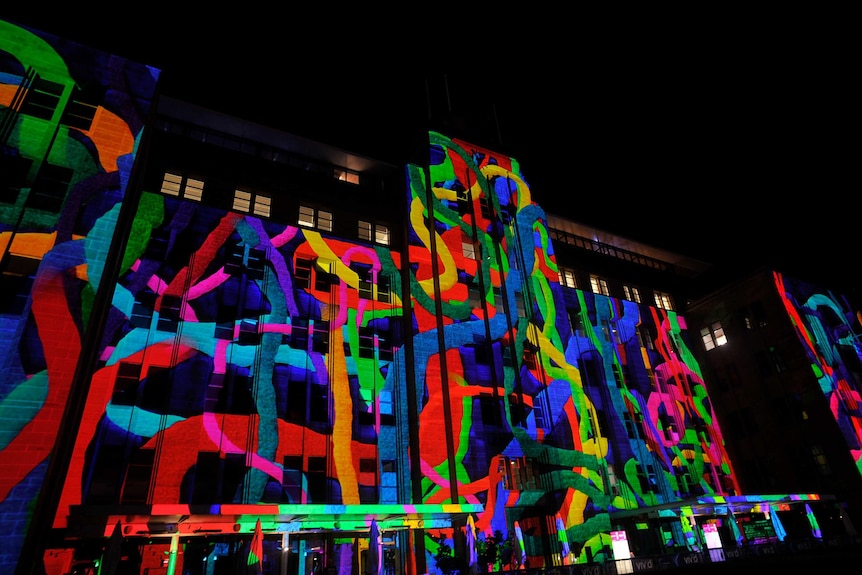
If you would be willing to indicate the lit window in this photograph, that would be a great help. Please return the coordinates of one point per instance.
(311, 218)
(599, 285)
(241, 201)
(171, 184)
(346, 176)
(713, 336)
(468, 250)
(632, 293)
(194, 189)
(567, 278)
(663, 300)
(306, 216)
(381, 235)
(179, 186)
(262, 206)
(367, 230)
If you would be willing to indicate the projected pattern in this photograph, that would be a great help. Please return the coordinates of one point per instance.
(829, 330)
(72, 118)
(543, 420)
(263, 345)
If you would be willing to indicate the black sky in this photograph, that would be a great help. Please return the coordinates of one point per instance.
(734, 141)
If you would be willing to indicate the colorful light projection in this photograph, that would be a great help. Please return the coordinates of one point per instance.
(500, 363)
(252, 342)
(57, 235)
(830, 330)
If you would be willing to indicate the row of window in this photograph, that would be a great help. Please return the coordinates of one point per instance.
(600, 285)
(261, 205)
(216, 478)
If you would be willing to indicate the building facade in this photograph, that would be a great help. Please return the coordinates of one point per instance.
(783, 359)
(72, 123)
(255, 350)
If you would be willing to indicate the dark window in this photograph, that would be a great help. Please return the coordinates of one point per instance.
(49, 189)
(292, 478)
(384, 288)
(299, 333)
(42, 99)
(137, 484)
(323, 276)
(17, 275)
(206, 473)
(320, 336)
(302, 275)
(157, 246)
(318, 407)
(105, 476)
(491, 410)
(126, 383)
(317, 484)
(169, 313)
(366, 342)
(297, 390)
(13, 176)
(142, 310)
(81, 108)
(232, 481)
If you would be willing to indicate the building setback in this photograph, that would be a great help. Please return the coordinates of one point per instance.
(216, 333)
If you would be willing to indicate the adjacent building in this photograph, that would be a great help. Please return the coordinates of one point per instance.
(228, 346)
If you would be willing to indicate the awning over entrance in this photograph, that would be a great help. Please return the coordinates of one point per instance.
(190, 520)
(719, 505)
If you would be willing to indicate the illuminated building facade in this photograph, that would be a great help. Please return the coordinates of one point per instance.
(783, 360)
(229, 325)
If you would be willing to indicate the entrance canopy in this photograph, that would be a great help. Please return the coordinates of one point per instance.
(190, 520)
(718, 505)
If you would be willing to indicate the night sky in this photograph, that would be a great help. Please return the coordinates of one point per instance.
(734, 143)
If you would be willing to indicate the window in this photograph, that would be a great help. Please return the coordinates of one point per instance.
(567, 278)
(632, 293)
(179, 186)
(242, 202)
(126, 383)
(262, 206)
(311, 218)
(137, 482)
(517, 473)
(320, 336)
(491, 410)
(373, 232)
(713, 336)
(169, 313)
(821, 463)
(13, 176)
(302, 274)
(17, 274)
(81, 108)
(346, 175)
(142, 310)
(42, 98)
(381, 235)
(50, 187)
(599, 285)
(663, 300)
(324, 279)
(646, 337)
(468, 249)
(324, 221)
(366, 342)
(384, 288)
